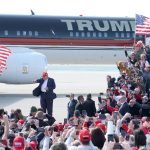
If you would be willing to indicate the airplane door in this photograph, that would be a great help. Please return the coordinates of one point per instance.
(25, 69)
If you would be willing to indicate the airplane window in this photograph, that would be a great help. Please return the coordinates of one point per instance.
(105, 35)
(116, 34)
(83, 34)
(6, 32)
(99, 34)
(24, 33)
(30, 33)
(77, 34)
(122, 35)
(71, 34)
(36, 33)
(88, 34)
(18, 33)
(128, 35)
(94, 34)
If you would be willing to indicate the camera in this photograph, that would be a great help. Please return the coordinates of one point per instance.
(68, 95)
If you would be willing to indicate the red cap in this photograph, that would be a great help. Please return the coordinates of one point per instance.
(134, 148)
(85, 124)
(84, 135)
(18, 143)
(102, 127)
(97, 122)
(21, 121)
(60, 127)
(44, 74)
(33, 145)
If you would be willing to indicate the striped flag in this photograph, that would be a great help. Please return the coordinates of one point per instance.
(142, 25)
(4, 54)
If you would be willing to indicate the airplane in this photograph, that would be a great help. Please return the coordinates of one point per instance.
(63, 39)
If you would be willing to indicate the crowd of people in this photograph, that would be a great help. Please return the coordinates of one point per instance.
(121, 121)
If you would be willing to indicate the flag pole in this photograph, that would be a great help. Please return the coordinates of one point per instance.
(134, 33)
(145, 39)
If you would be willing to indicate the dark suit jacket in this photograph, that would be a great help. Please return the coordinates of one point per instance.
(145, 109)
(124, 108)
(79, 107)
(71, 107)
(89, 106)
(135, 110)
(51, 86)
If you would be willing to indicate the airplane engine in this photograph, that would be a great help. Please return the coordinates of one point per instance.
(23, 66)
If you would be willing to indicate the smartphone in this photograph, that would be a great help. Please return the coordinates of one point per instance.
(41, 130)
(65, 120)
(110, 128)
(123, 133)
(115, 114)
(127, 137)
(102, 116)
(110, 137)
(136, 121)
(99, 99)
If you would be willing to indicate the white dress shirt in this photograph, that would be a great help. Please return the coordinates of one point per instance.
(44, 85)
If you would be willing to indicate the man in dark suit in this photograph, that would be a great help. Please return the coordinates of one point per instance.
(89, 106)
(71, 106)
(79, 105)
(47, 95)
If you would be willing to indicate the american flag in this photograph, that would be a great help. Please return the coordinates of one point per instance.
(4, 54)
(142, 25)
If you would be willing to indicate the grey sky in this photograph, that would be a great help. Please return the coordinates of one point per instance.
(112, 8)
